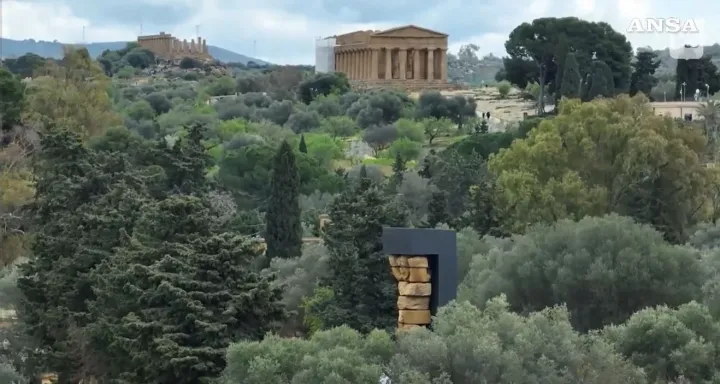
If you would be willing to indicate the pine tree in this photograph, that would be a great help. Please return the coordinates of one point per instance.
(426, 171)
(437, 210)
(85, 201)
(643, 77)
(601, 82)
(483, 127)
(303, 146)
(482, 214)
(173, 298)
(365, 293)
(185, 162)
(396, 179)
(570, 87)
(283, 231)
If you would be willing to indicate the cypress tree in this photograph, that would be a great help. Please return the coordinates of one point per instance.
(570, 87)
(397, 176)
(601, 81)
(283, 231)
(437, 210)
(303, 146)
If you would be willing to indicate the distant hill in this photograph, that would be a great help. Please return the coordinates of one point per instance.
(53, 49)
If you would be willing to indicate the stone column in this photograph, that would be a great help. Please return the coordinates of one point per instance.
(353, 64)
(402, 67)
(341, 61)
(431, 64)
(388, 64)
(348, 64)
(366, 64)
(443, 65)
(417, 73)
(363, 65)
(361, 60)
(374, 63)
(356, 64)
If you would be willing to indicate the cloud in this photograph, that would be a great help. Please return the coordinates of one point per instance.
(283, 31)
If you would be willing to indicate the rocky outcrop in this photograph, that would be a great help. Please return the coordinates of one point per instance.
(414, 290)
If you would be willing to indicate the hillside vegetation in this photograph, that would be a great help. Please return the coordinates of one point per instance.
(152, 221)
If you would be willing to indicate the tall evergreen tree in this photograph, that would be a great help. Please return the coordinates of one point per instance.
(437, 210)
(185, 162)
(173, 298)
(561, 52)
(643, 77)
(84, 202)
(364, 291)
(283, 231)
(426, 171)
(601, 81)
(695, 74)
(570, 87)
(303, 146)
(396, 179)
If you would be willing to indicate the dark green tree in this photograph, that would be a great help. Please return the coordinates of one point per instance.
(323, 84)
(570, 87)
(643, 77)
(481, 213)
(437, 210)
(171, 300)
(600, 81)
(11, 99)
(482, 127)
(533, 49)
(283, 230)
(399, 167)
(303, 146)
(84, 202)
(364, 291)
(426, 170)
(695, 74)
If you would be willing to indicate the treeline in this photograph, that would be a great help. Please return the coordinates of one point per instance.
(570, 57)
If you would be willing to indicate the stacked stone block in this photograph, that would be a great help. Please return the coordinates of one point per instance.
(414, 289)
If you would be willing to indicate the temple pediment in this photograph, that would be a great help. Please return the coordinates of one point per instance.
(409, 31)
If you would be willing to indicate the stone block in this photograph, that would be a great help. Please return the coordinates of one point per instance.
(408, 327)
(414, 289)
(409, 316)
(401, 273)
(418, 262)
(398, 261)
(418, 275)
(413, 302)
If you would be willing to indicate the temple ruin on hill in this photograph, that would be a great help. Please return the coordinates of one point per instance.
(167, 47)
(408, 57)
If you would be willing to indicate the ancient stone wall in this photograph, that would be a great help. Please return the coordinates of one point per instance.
(414, 290)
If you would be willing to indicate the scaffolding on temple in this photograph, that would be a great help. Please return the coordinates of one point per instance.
(325, 55)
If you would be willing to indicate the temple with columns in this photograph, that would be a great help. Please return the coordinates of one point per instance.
(167, 47)
(408, 57)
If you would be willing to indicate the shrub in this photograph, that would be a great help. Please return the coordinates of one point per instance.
(503, 89)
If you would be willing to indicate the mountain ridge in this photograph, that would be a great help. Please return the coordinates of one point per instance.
(10, 48)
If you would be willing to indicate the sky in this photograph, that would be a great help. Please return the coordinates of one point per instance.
(284, 31)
